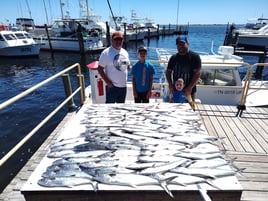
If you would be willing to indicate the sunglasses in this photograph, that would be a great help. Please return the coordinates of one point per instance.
(118, 39)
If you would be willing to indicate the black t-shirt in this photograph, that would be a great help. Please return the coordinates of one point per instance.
(183, 66)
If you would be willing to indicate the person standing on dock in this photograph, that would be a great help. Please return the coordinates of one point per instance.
(142, 77)
(186, 64)
(113, 68)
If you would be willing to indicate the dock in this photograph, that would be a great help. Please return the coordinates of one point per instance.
(245, 141)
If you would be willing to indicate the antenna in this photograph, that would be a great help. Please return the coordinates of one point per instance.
(178, 8)
(46, 11)
(29, 9)
(112, 13)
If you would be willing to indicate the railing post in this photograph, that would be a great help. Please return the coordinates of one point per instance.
(81, 82)
(68, 89)
(242, 105)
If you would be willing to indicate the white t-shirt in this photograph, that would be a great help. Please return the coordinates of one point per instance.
(115, 63)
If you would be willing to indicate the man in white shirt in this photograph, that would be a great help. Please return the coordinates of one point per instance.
(113, 67)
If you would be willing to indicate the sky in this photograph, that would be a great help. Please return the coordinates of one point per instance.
(161, 11)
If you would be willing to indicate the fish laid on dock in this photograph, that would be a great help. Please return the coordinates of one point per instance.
(137, 145)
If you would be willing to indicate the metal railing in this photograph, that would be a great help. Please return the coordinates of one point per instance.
(242, 106)
(80, 89)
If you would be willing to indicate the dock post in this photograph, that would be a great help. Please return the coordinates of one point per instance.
(108, 35)
(81, 82)
(68, 90)
(262, 57)
(49, 42)
(149, 33)
(80, 39)
(158, 31)
(125, 35)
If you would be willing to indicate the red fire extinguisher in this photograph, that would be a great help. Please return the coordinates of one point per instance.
(100, 87)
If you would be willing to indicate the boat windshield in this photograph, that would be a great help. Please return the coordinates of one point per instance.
(20, 35)
(27, 35)
(219, 77)
(9, 36)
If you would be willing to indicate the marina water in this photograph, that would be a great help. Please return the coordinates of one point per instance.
(19, 74)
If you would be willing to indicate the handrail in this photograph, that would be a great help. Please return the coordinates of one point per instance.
(246, 85)
(48, 117)
(242, 106)
(30, 90)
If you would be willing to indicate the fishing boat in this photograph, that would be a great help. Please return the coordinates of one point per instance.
(74, 35)
(18, 43)
(131, 32)
(220, 82)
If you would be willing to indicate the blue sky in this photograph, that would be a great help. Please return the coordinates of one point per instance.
(161, 11)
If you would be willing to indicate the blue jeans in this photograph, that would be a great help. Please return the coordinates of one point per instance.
(116, 94)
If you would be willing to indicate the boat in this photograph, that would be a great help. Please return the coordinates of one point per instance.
(66, 34)
(69, 34)
(220, 82)
(17, 43)
(253, 35)
(253, 25)
(131, 32)
(258, 38)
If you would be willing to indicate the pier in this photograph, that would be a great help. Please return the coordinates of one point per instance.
(245, 141)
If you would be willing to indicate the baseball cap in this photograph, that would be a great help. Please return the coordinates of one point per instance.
(182, 39)
(118, 34)
(142, 48)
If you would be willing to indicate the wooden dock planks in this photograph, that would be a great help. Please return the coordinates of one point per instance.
(246, 142)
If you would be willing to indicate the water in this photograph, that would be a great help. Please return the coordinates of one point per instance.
(17, 75)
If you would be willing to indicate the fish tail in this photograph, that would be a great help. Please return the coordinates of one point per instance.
(165, 187)
(95, 186)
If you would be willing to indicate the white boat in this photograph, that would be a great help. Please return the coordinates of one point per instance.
(220, 82)
(17, 43)
(253, 34)
(64, 36)
(131, 33)
(252, 26)
(257, 38)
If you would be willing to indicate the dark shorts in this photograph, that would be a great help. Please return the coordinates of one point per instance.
(116, 94)
(141, 97)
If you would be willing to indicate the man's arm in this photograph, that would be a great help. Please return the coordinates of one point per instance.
(168, 77)
(188, 89)
(134, 86)
(104, 77)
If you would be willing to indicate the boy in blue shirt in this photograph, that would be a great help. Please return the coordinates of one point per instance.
(142, 77)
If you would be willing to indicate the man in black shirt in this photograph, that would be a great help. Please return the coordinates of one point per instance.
(186, 64)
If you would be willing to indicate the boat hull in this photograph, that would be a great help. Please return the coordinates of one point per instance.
(253, 40)
(69, 45)
(20, 51)
(17, 44)
(219, 95)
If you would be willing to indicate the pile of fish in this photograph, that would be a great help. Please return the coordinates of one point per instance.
(137, 145)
